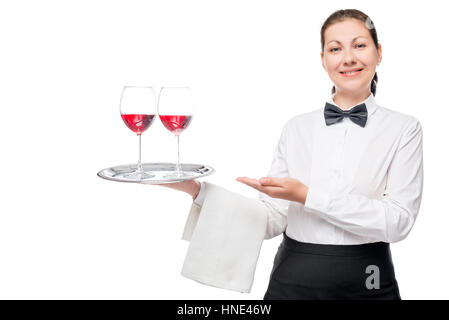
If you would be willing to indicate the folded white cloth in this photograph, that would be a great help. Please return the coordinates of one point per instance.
(226, 236)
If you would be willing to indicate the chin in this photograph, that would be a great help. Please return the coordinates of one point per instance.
(350, 88)
(353, 87)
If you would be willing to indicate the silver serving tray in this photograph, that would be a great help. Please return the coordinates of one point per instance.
(119, 173)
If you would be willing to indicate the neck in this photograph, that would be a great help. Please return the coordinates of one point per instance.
(347, 100)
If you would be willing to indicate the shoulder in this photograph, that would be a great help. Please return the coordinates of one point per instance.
(405, 127)
(406, 122)
(304, 121)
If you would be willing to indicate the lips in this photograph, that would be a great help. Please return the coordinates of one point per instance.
(352, 74)
(353, 70)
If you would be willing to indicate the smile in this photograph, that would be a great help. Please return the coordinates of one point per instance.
(351, 73)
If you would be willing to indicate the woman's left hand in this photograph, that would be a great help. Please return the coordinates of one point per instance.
(282, 188)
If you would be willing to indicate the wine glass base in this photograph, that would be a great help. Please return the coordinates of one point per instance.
(180, 175)
(136, 175)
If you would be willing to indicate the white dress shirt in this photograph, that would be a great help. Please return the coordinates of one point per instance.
(365, 184)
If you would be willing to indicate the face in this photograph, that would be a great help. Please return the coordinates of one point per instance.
(348, 46)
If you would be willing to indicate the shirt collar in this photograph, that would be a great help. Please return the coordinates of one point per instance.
(370, 103)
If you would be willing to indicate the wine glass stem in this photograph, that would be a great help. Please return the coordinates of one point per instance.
(178, 170)
(139, 164)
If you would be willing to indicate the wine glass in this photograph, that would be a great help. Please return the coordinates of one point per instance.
(138, 108)
(175, 108)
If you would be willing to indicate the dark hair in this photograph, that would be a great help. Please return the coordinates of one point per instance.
(341, 15)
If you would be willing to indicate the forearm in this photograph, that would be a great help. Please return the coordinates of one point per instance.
(385, 219)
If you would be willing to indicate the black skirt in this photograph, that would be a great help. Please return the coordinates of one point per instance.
(309, 271)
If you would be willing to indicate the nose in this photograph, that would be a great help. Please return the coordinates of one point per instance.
(348, 57)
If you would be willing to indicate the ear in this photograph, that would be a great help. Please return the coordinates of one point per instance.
(379, 52)
(322, 60)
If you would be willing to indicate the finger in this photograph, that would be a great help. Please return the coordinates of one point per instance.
(272, 191)
(250, 182)
(247, 180)
(270, 181)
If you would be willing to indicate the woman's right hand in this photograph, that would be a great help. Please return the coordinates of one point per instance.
(191, 187)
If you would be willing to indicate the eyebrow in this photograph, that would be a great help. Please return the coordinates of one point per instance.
(352, 39)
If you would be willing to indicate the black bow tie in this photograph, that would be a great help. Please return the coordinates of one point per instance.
(333, 114)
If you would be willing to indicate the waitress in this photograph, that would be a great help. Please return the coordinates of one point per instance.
(346, 179)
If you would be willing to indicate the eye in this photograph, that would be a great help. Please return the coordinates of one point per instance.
(361, 45)
(332, 50)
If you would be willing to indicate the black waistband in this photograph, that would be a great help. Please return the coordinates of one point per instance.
(335, 249)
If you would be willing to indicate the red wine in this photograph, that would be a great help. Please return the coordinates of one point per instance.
(138, 122)
(176, 124)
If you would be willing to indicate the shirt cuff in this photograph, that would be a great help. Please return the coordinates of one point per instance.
(199, 200)
(317, 199)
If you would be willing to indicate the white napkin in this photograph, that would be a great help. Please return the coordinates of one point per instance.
(225, 236)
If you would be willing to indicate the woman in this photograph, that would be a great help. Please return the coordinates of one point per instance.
(346, 179)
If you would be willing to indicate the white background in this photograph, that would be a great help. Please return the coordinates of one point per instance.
(251, 66)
